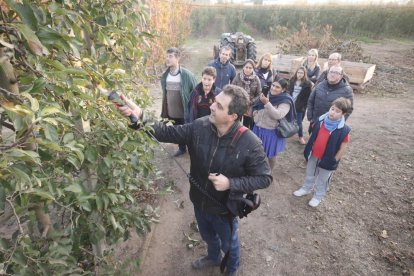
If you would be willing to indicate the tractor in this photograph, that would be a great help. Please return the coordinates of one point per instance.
(243, 47)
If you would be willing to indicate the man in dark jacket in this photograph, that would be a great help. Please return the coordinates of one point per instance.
(225, 70)
(219, 168)
(322, 97)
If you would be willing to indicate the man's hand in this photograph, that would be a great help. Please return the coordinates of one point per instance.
(220, 182)
(130, 108)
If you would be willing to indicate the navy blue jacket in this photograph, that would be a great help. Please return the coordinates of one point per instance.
(225, 72)
(328, 161)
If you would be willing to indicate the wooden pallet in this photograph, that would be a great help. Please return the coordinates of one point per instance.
(359, 73)
(286, 65)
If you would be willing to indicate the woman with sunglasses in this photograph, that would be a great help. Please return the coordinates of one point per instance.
(267, 112)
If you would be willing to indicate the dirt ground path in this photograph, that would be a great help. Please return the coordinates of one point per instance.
(365, 226)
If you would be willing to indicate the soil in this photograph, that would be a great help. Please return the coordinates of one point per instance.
(364, 226)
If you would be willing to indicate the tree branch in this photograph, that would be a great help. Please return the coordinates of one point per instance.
(22, 139)
(18, 237)
(10, 95)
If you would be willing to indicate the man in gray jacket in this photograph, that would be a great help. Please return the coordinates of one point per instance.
(321, 98)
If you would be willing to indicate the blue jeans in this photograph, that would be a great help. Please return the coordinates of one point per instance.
(299, 119)
(215, 231)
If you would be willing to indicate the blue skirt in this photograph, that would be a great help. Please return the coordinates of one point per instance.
(272, 143)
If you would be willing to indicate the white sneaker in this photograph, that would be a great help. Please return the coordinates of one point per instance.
(314, 202)
(301, 192)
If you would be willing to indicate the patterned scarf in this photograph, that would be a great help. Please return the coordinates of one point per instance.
(247, 80)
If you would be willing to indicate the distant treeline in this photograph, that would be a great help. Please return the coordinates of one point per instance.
(370, 21)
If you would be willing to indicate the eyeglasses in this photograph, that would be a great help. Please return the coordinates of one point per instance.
(333, 59)
(335, 73)
(277, 86)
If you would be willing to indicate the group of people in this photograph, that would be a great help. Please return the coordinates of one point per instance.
(209, 115)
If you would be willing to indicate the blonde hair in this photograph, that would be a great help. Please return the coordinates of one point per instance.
(314, 52)
(269, 57)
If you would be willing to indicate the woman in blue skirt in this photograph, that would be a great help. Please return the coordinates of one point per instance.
(267, 112)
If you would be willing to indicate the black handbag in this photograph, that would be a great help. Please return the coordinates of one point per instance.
(287, 129)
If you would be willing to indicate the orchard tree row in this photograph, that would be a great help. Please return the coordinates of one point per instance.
(69, 165)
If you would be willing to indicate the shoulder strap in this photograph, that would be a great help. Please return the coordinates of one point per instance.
(237, 135)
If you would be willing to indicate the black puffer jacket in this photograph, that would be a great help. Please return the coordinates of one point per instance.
(244, 164)
(324, 94)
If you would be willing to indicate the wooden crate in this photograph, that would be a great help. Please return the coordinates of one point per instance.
(286, 65)
(359, 73)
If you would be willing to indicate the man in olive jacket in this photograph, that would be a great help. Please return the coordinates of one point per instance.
(220, 168)
(177, 84)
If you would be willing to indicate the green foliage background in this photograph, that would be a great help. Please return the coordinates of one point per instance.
(372, 21)
(64, 54)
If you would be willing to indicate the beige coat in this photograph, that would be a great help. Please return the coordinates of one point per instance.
(269, 116)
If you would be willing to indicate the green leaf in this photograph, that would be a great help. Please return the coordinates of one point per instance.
(86, 205)
(19, 258)
(113, 198)
(74, 161)
(50, 133)
(41, 193)
(33, 41)
(76, 72)
(26, 155)
(20, 110)
(33, 102)
(55, 64)
(113, 221)
(38, 86)
(76, 149)
(51, 37)
(20, 175)
(75, 188)
(68, 138)
(26, 14)
(99, 203)
(50, 110)
(51, 121)
(91, 154)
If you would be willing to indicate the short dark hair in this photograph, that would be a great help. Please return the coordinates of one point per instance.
(239, 100)
(283, 83)
(210, 71)
(343, 104)
(227, 48)
(175, 51)
(251, 62)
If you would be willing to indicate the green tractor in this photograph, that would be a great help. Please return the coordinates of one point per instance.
(243, 47)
